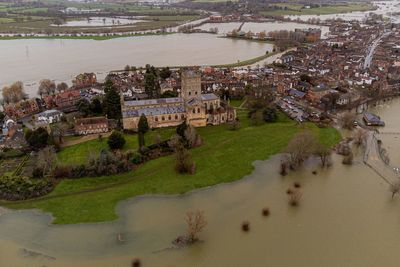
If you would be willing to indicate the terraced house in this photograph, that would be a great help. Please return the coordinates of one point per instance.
(192, 106)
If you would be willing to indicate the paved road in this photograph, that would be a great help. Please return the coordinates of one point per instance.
(371, 49)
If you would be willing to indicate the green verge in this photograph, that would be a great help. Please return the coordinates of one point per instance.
(224, 157)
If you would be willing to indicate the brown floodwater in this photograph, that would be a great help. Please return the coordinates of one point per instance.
(389, 110)
(345, 218)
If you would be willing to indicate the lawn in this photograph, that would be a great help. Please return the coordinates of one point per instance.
(78, 154)
(224, 157)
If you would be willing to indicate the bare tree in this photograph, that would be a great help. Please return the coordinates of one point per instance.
(196, 222)
(294, 197)
(14, 93)
(347, 120)
(46, 159)
(323, 152)
(395, 188)
(46, 87)
(191, 136)
(360, 136)
(300, 148)
(61, 87)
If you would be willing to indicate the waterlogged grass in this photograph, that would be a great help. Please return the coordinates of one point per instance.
(297, 9)
(225, 156)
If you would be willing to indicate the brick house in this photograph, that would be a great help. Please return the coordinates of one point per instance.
(94, 125)
(21, 109)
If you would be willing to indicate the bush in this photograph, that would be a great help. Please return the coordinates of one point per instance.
(37, 172)
(116, 140)
(62, 172)
(20, 188)
(136, 158)
(38, 138)
(269, 115)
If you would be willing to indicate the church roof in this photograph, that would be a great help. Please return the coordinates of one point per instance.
(154, 111)
(156, 101)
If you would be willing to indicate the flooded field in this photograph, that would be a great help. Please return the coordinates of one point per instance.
(345, 218)
(62, 60)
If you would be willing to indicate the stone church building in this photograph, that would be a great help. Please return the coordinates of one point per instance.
(192, 106)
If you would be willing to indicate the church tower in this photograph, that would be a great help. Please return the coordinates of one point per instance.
(191, 84)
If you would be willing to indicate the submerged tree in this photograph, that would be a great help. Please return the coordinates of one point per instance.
(300, 147)
(323, 152)
(347, 120)
(395, 188)
(196, 222)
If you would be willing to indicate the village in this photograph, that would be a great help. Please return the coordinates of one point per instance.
(314, 80)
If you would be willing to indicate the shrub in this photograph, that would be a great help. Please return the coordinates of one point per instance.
(116, 140)
(37, 172)
(269, 115)
(136, 158)
(62, 172)
(20, 188)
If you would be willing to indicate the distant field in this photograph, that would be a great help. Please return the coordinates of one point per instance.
(298, 9)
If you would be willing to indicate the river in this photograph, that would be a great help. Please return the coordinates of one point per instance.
(31, 60)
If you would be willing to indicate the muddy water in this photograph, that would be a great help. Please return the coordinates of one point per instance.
(389, 112)
(345, 218)
(34, 59)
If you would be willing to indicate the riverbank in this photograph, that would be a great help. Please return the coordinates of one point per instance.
(242, 63)
(86, 37)
(226, 156)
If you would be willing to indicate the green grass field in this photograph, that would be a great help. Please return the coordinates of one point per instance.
(224, 157)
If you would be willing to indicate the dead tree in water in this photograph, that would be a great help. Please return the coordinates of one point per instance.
(196, 222)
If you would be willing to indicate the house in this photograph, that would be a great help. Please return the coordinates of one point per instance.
(96, 125)
(64, 101)
(22, 108)
(49, 116)
(85, 80)
(318, 92)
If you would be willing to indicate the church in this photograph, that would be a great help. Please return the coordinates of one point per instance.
(192, 106)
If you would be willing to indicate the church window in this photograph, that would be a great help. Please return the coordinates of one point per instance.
(198, 110)
(163, 118)
(169, 117)
(194, 111)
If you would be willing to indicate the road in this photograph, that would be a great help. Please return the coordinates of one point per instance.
(371, 49)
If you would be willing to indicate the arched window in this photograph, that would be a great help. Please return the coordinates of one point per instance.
(156, 118)
(163, 118)
(169, 117)
(176, 116)
(198, 110)
(182, 116)
(194, 111)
